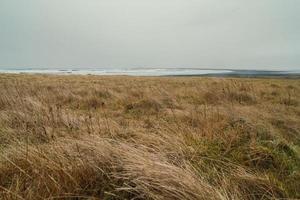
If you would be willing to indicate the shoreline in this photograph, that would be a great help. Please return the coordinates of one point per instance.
(221, 75)
(159, 72)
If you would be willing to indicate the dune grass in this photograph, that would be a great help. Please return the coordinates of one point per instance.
(93, 137)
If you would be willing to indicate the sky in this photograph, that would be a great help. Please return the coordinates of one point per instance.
(236, 34)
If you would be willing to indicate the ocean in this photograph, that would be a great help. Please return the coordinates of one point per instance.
(148, 72)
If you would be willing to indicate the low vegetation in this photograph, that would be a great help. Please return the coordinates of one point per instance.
(93, 137)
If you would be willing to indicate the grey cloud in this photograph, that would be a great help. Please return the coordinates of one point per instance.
(261, 34)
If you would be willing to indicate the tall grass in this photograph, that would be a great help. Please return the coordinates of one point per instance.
(93, 137)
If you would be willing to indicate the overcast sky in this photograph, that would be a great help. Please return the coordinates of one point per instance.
(245, 34)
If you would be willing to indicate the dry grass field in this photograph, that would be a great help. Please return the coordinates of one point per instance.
(174, 138)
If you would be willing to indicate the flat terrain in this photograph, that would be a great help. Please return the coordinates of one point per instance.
(93, 137)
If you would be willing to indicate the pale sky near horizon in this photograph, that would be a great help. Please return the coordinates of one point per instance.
(238, 34)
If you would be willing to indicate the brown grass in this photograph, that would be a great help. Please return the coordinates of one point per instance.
(93, 137)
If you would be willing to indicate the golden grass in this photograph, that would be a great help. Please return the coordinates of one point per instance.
(93, 137)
